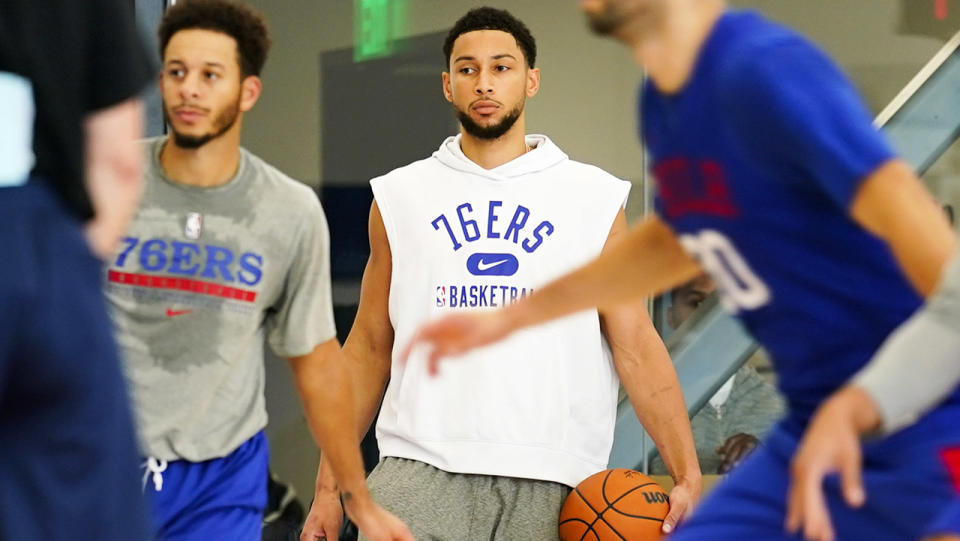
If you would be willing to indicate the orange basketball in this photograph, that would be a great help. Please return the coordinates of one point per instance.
(614, 505)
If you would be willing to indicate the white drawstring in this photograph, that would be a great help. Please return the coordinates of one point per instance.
(156, 466)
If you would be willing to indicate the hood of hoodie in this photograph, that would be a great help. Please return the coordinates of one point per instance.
(544, 154)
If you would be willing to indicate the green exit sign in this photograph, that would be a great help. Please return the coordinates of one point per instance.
(377, 23)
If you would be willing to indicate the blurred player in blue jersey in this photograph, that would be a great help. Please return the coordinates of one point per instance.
(894, 390)
(771, 177)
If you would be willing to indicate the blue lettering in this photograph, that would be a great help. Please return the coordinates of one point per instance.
(218, 257)
(250, 269)
(446, 224)
(467, 224)
(183, 253)
(453, 296)
(473, 297)
(547, 227)
(513, 294)
(131, 243)
(516, 224)
(491, 217)
(152, 256)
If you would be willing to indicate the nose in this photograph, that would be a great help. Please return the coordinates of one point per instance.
(484, 84)
(190, 87)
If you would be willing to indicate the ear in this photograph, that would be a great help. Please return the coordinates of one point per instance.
(533, 82)
(447, 89)
(250, 90)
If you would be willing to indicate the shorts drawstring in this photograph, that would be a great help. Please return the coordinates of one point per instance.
(156, 466)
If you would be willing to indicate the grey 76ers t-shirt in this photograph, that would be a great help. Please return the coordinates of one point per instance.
(202, 275)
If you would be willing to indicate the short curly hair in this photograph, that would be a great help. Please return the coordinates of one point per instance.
(242, 23)
(487, 18)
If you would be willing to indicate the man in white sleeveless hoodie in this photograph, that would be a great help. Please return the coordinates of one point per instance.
(484, 221)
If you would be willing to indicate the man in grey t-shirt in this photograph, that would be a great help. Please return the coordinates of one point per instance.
(225, 252)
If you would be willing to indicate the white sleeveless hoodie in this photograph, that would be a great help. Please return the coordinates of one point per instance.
(541, 404)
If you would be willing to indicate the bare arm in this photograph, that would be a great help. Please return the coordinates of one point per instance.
(648, 259)
(647, 374)
(327, 384)
(900, 391)
(893, 204)
(367, 353)
(114, 171)
(324, 385)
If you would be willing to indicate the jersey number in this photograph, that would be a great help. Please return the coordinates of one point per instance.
(740, 287)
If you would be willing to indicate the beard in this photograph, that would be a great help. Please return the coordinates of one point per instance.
(224, 120)
(493, 131)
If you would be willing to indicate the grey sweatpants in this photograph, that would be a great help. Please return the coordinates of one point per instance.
(443, 506)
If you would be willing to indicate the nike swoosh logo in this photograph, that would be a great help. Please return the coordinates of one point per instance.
(483, 265)
(495, 264)
(175, 313)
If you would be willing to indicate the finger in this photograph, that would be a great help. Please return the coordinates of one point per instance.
(794, 509)
(816, 517)
(673, 517)
(728, 446)
(851, 478)
(424, 335)
(433, 362)
(741, 450)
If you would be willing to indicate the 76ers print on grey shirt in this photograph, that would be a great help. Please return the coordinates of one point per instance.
(205, 277)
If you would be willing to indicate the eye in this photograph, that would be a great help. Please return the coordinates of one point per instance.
(212, 76)
(175, 72)
(501, 67)
(466, 70)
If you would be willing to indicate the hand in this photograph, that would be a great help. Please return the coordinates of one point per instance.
(734, 450)
(683, 497)
(325, 518)
(375, 522)
(830, 444)
(456, 335)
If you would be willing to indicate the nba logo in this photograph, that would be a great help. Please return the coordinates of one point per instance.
(193, 226)
(441, 296)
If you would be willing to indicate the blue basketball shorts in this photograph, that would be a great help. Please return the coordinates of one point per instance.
(909, 491)
(221, 498)
(949, 521)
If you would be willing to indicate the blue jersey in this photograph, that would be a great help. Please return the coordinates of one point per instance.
(757, 161)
